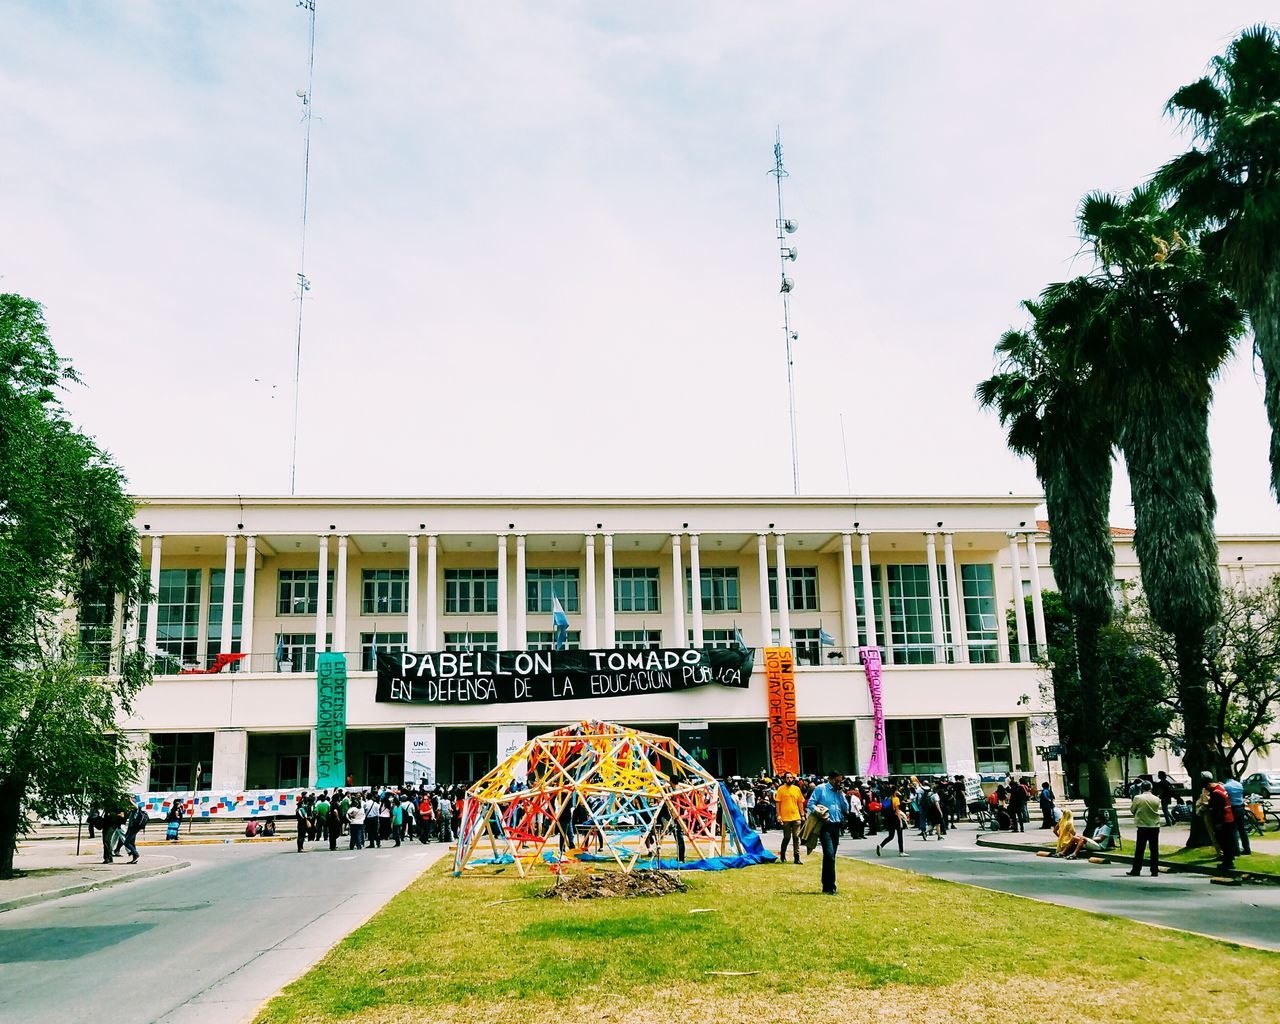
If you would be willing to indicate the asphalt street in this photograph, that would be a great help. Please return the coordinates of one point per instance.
(208, 943)
(1248, 914)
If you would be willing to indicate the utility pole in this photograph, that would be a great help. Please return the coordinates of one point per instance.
(786, 254)
(304, 285)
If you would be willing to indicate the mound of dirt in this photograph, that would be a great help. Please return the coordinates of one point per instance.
(605, 884)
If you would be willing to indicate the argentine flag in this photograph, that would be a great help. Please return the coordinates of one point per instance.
(825, 638)
(560, 622)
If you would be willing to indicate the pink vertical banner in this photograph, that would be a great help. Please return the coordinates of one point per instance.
(878, 766)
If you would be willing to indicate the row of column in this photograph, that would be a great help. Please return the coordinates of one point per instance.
(849, 608)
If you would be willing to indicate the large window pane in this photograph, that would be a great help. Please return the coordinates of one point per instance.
(298, 591)
(636, 590)
(175, 758)
(978, 589)
(991, 745)
(914, 746)
(217, 590)
(542, 584)
(471, 591)
(384, 591)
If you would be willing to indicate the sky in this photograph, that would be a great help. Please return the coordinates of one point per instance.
(541, 235)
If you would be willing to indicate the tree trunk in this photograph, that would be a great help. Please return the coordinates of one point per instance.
(1090, 721)
(1265, 319)
(10, 818)
(1200, 752)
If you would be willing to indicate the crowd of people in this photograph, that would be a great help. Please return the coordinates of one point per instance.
(385, 814)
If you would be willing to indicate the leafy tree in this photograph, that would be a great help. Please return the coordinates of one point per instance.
(66, 533)
(1134, 697)
(1243, 665)
(1229, 188)
(1046, 398)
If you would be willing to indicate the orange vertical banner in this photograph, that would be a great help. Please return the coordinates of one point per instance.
(784, 737)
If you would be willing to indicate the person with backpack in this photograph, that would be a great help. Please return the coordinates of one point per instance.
(445, 822)
(173, 820)
(112, 821)
(301, 813)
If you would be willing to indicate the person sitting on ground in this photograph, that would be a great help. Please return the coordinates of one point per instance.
(1065, 830)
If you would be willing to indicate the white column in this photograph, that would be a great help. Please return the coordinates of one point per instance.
(935, 598)
(1037, 598)
(202, 627)
(322, 595)
(117, 619)
(522, 598)
(340, 599)
(228, 595)
(1002, 623)
(848, 607)
(955, 598)
(695, 573)
(1019, 606)
(131, 627)
(433, 609)
(677, 590)
(868, 594)
(784, 592)
(885, 619)
(609, 634)
(230, 758)
(153, 614)
(589, 602)
(503, 598)
(246, 613)
(411, 634)
(766, 620)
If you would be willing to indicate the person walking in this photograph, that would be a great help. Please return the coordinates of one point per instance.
(302, 814)
(355, 824)
(138, 820)
(1164, 789)
(894, 821)
(1017, 805)
(829, 795)
(1046, 805)
(789, 802)
(112, 820)
(173, 820)
(1147, 815)
(1235, 793)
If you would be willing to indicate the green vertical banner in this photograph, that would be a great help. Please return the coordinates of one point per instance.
(331, 721)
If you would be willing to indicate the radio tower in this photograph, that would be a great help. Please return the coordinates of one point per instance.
(787, 253)
(304, 285)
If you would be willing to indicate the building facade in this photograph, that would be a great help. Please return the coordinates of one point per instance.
(928, 580)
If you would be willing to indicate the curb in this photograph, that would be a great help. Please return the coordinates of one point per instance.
(1234, 874)
(75, 890)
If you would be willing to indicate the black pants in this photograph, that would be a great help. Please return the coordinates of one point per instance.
(1226, 836)
(303, 829)
(893, 828)
(1146, 837)
(106, 845)
(1015, 814)
(830, 840)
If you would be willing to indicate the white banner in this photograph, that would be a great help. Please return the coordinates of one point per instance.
(420, 753)
(510, 739)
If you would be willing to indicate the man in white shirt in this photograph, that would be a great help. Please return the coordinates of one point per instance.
(371, 821)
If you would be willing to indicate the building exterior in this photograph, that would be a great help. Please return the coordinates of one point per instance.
(961, 693)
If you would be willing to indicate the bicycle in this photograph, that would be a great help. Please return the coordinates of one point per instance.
(1259, 816)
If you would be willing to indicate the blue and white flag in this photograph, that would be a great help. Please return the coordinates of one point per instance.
(825, 638)
(560, 622)
(738, 639)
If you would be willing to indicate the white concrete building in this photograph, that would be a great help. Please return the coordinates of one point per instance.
(427, 574)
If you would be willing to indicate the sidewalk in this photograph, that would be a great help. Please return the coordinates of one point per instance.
(52, 870)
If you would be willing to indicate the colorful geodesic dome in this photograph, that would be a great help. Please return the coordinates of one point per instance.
(636, 797)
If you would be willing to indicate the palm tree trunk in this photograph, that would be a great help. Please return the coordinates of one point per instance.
(1201, 749)
(11, 790)
(1090, 720)
(1265, 318)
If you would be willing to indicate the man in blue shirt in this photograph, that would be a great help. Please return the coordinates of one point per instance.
(829, 795)
(1235, 792)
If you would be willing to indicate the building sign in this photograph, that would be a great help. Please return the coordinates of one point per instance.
(878, 766)
(784, 734)
(510, 739)
(420, 753)
(331, 721)
(517, 677)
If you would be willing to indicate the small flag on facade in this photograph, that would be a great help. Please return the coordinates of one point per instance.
(825, 638)
(737, 638)
(560, 621)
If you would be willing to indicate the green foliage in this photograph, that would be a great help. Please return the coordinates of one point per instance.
(66, 535)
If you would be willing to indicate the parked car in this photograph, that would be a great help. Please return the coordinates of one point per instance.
(1263, 783)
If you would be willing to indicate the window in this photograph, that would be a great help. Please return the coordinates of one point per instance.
(296, 652)
(471, 591)
(802, 588)
(471, 640)
(298, 591)
(861, 605)
(294, 771)
(545, 640)
(724, 762)
(991, 745)
(914, 746)
(540, 584)
(175, 757)
(978, 588)
(213, 636)
(177, 619)
(384, 591)
(911, 615)
(373, 644)
(635, 590)
(724, 639)
(807, 647)
(720, 591)
(639, 639)
(94, 630)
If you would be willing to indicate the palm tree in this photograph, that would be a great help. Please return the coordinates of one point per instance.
(1229, 187)
(1044, 398)
(1157, 327)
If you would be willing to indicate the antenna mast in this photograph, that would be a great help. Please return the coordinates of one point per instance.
(787, 253)
(304, 285)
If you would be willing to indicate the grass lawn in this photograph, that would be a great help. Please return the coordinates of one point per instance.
(1261, 863)
(891, 947)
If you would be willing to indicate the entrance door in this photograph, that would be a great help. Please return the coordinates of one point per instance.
(469, 765)
(384, 769)
(294, 771)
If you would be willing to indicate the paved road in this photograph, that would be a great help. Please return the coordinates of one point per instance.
(208, 943)
(1248, 914)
